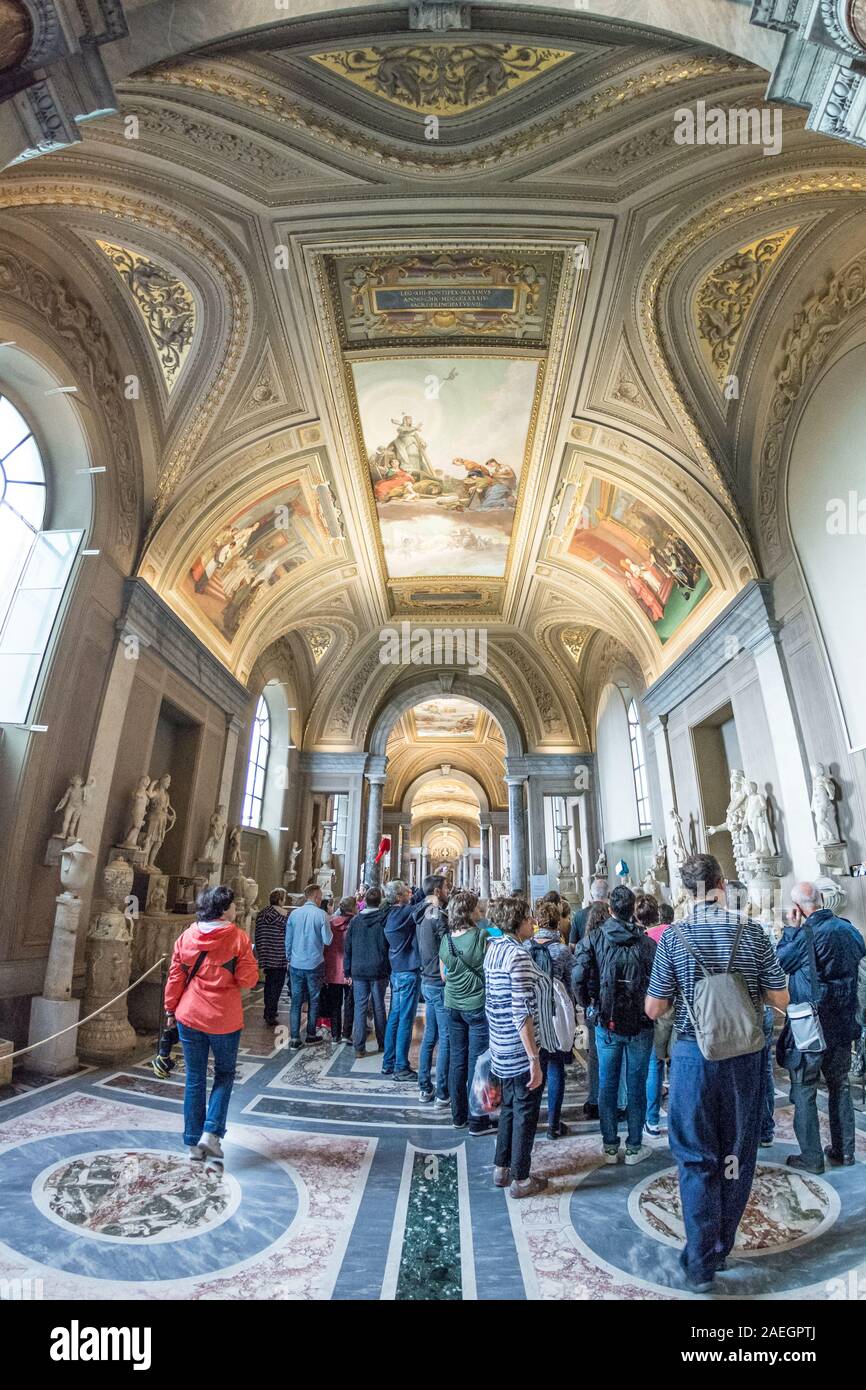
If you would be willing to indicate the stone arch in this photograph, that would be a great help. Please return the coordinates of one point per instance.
(425, 686)
(455, 775)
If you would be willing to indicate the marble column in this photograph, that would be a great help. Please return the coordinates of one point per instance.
(517, 833)
(485, 857)
(376, 793)
(659, 731)
(109, 947)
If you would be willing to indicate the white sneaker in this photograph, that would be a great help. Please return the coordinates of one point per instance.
(611, 1155)
(196, 1153)
(211, 1146)
(637, 1155)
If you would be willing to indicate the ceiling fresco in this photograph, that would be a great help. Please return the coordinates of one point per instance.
(251, 553)
(445, 441)
(626, 539)
(446, 718)
(441, 79)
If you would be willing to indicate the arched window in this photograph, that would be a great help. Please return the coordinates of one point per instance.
(34, 565)
(638, 767)
(257, 767)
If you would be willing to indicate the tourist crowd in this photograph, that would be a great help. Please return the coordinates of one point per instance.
(680, 1008)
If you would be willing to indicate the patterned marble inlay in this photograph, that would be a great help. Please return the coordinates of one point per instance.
(136, 1195)
(785, 1208)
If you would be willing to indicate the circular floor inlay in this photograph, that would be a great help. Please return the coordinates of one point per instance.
(785, 1209)
(136, 1195)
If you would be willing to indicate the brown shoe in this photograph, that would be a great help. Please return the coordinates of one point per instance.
(528, 1187)
(501, 1177)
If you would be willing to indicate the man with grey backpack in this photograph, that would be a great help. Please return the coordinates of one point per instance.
(718, 968)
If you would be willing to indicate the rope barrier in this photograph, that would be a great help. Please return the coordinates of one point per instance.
(42, 1041)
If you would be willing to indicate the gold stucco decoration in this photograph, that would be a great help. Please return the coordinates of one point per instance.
(724, 299)
(165, 303)
(441, 79)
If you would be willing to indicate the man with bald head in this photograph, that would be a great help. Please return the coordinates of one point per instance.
(821, 954)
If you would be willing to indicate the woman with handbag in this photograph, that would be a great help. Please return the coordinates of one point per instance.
(461, 964)
(211, 963)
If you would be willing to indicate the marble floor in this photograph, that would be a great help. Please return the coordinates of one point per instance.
(338, 1184)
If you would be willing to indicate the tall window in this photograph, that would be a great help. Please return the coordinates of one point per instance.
(638, 765)
(257, 767)
(341, 817)
(34, 565)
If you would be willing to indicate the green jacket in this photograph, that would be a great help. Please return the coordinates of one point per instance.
(463, 958)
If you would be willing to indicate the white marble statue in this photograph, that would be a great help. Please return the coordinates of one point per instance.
(161, 817)
(234, 849)
(758, 821)
(291, 860)
(72, 803)
(678, 847)
(735, 820)
(600, 870)
(137, 812)
(216, 830)
(823, 805)
(660, 859)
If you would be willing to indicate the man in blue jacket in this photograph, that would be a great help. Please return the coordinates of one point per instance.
(405, 959)
(838, 950)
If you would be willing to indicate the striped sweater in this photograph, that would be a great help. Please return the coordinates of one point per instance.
(512, 983)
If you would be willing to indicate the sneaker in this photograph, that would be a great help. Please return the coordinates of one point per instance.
(766, 1143)
(360, 1051)
(162, 1067)
(295, 1044)
(424, 1096)
(475, 1131)
(558, 1133)
(611, 1153)
(501, 1177)
(442, 1103)
(311, 1042)
(196, 1153)
(696, 1286)
(344, 1040)
(270, 1023)
(406, 1074)
(654, 1130)
(637, 1155)
(211, 1145)
(798, 1162)
(463, 1125)
(838, 1160)
(528, 1187)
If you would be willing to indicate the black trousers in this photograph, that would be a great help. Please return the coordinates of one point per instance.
(274, 981)
(338, 1004)
(518, 1121)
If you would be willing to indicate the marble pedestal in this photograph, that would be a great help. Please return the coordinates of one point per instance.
(130, 854)
(6, 1050)
(47, 1016)
(765, 887)
(325, 879)
(54, 851)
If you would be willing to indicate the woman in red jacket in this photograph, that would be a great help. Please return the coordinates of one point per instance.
(212, 962)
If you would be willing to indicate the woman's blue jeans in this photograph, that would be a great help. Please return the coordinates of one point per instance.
(196, 1048)
(553, 1067)
(616, 1051)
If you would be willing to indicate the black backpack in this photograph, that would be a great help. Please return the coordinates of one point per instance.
(623, 979)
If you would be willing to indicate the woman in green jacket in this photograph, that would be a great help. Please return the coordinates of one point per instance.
(461, 963)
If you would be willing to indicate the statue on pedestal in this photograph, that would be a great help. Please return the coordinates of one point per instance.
(824, 806)
(678, 847)
(55, 1011)
(600, 870)
(758, 821)
(161, 817)
(735, 820)
(216, 830)
(72, 803)
(137, 813)
(291, 860)
(233, 855)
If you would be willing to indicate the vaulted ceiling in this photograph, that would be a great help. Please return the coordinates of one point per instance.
(442, 329)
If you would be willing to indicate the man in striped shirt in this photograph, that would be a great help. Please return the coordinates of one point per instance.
(714, 1108)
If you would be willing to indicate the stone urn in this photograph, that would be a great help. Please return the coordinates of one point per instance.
(107, 968)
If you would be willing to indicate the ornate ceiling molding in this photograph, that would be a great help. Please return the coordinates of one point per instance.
(805, 347)
(142, 212)
(654, 286)
(258, 92)
(165, 304)
(727, 295)
(445, 78)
